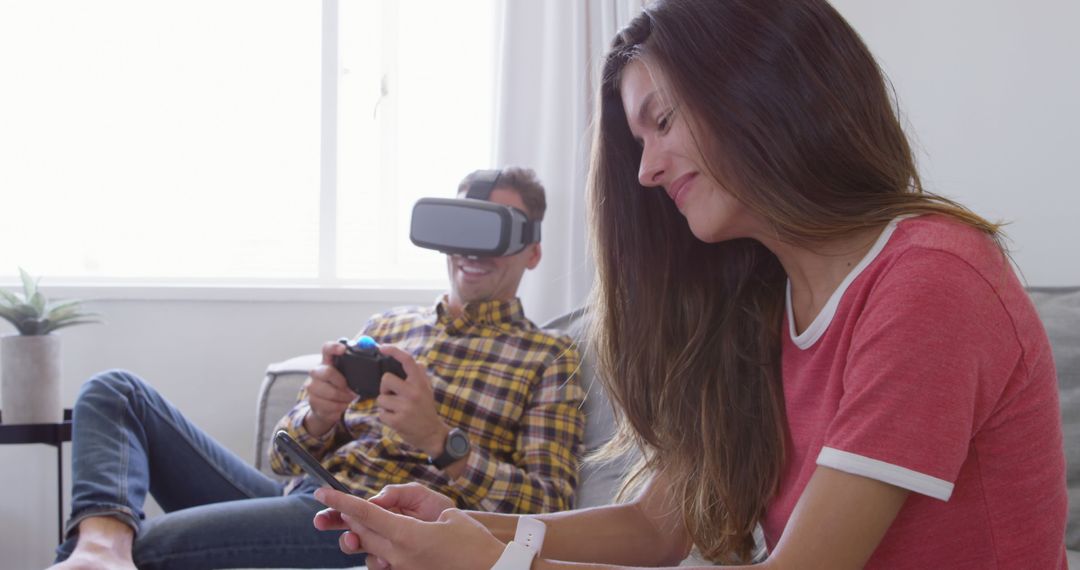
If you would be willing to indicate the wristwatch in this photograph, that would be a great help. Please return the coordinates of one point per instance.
(456, 447)
(520, 552)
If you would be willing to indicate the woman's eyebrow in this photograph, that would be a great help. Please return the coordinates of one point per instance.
(646, 104)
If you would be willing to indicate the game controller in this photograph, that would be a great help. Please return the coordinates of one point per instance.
(363, 366)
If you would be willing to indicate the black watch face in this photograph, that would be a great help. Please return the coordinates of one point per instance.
(457, 445)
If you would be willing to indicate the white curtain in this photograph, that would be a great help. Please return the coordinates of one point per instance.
(549, 54)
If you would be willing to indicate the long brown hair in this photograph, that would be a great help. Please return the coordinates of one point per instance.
(793, 115)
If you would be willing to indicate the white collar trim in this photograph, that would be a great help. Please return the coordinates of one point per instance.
(821, 322)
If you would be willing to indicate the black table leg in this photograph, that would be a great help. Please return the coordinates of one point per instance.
(54, 434)
(60, 490)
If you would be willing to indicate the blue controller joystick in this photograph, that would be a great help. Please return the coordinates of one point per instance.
(365, 342)
(363, 366)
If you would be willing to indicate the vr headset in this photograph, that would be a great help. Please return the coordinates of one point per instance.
(473, 225)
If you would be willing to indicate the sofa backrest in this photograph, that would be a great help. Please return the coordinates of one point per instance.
(277, 395)
(1059, 309)
(599, 482)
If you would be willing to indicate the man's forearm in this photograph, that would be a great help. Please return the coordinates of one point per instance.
(317, 426)
(295, 424)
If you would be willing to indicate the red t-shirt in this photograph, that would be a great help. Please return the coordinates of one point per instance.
(929, 369)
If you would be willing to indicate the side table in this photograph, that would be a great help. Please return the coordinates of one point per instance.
(51, 434)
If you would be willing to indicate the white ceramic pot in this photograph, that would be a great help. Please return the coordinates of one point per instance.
(30, 379)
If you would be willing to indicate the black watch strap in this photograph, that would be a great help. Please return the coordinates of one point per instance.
(456, 447)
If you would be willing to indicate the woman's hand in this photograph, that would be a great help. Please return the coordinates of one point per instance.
(454, 542)
(411, 499)
(414, 500)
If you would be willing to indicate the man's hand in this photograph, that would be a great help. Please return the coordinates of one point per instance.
(328, 393)
(408, 406)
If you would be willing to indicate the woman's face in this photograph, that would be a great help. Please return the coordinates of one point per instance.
(671, 159)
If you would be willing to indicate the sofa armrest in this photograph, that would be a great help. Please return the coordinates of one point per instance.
(277, 395)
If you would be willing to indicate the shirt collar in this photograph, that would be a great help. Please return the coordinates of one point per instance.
(492, 313)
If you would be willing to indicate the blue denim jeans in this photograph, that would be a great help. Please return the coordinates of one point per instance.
(220, 512)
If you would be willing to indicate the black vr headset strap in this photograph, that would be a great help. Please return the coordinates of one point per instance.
(530, 233)
(485, 182)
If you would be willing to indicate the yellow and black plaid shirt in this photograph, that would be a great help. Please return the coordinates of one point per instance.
(505, 382)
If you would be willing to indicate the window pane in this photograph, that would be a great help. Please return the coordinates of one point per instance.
(160, 140)
(431, 128)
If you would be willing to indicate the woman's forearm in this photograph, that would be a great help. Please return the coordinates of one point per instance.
(615, 534)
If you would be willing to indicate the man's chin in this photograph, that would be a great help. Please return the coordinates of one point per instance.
(476, 299)
(471, 295)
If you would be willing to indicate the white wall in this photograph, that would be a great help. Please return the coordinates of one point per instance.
(991, 94)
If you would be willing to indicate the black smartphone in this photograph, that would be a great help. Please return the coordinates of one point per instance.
(299, 455)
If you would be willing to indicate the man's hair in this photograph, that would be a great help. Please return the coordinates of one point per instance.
(520, 180)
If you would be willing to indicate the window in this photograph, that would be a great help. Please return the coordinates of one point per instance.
(186, 141)
(417, 100)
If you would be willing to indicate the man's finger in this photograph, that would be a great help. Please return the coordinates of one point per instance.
(324, 391)
(367, 514)
(392, 404)
(390, 384)
(331, 349)
(407, 362)
(328, 389)
(330, 376)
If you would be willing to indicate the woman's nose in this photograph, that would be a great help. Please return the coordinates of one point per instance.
(651, 169)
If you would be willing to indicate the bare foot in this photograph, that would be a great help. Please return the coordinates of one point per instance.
(93, 557)
(104, 544)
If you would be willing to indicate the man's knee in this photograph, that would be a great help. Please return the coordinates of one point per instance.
(110, 385)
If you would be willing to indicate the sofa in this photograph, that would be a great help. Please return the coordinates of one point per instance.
(1059, 309)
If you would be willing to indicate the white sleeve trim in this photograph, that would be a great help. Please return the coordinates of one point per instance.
(886, 472)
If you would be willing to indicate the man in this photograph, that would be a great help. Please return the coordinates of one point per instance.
(477, 371)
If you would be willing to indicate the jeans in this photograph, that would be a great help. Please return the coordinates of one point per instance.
(220, 512)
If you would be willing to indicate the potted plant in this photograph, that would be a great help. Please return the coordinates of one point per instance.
(30, 359)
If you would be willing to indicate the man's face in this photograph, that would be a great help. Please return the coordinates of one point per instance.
(491, 278)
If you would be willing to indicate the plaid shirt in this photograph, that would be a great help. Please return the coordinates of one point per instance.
(510, 386)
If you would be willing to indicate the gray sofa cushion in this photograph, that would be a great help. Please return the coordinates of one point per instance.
(1059, 309)
(277, 396)
(599, 482)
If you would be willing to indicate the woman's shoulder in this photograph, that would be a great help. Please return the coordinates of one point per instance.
(938, 243)
(944, 233)
(937, 259)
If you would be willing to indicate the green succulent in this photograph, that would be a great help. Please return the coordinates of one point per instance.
(33, 314)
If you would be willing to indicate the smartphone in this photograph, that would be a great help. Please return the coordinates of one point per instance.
(300, 456)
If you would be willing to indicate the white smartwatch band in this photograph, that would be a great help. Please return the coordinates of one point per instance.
(514, 557)
(528, 540)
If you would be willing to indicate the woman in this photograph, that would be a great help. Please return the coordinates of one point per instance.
(795, 333)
